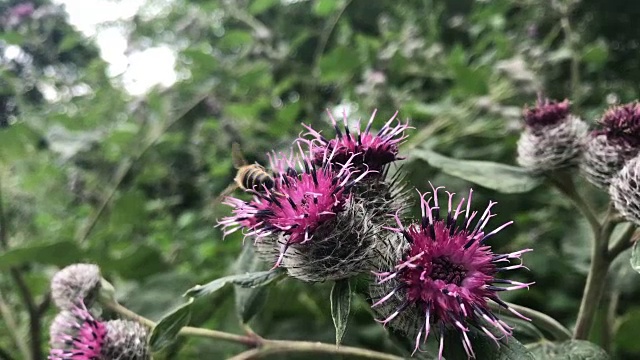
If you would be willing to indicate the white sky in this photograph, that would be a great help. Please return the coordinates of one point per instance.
(137, 71)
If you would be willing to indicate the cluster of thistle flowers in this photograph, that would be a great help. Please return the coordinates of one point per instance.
(335, 212)
(77, 334)
(608, 157)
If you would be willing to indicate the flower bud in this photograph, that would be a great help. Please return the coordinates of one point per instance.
(552, 137)
(125, 340)
(609, 148)
(625, 190)
(77, 281)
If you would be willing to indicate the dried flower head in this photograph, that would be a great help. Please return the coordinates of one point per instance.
(625, 190)
(446, 276)
(366, 150)
(76, 335)
(125, 340)
(552, 138)
(77, 281)
(297, 205)
(611, 146)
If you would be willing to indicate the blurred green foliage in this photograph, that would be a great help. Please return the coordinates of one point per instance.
(93, 174)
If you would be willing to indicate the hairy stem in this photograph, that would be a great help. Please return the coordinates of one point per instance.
(261, 347)
(540, 320)
(622, 243)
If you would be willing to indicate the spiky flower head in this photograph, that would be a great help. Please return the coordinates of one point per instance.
(76, 335)
(446, 276)
(611, 146)
(77, 281)
(308, 211)
(125, 340)
(625, 190)
(364, 149)
(552, 138)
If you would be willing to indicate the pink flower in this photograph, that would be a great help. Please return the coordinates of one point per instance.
(446, 275)
(546, 113)
(297, 204)
(622, 124)
(370, 151)
(76, 335)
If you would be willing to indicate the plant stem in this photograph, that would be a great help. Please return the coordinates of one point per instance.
(262, 347)
(622, 243)
(568, 188)
(271, 347)
(596, 280)
(540, 320)
(12, 325)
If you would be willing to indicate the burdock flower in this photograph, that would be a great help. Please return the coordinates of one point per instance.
(625, 190)
(311, 216)
(77, 281)
(75, 334)
(552, 137)
(366, 150)
(125, 340)
(608, 148)
(446, 276)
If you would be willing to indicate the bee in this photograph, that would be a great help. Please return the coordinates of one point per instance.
(249, 176)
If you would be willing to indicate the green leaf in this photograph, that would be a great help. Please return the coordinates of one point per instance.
(635, 257)
(248, 280)
(627, 335)
(567, 350)
(500, 177)
(485, 348)
(167, 329)
(338, 65)
(340, 307)
(143, 261)
(249, 301)
(325, 7)
(60, 254)
(260, 6)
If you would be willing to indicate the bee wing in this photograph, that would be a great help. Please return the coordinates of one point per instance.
(226, 192)
(237, 157)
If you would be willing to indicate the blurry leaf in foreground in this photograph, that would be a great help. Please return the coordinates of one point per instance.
(248, 280)
(500, 177)
(60, 253)
(568, 350)
(635, 257)
(340, 307)
(167, 329)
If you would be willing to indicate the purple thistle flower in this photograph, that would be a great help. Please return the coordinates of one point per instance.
(297, 204)
(370, 151)
(552, 137)
(610, 147)
(76, 335)
(622, 124)
(446, 275)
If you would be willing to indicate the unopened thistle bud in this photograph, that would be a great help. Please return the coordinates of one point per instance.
(77, 281)
(446, 276)
(625, 190)
(610, 147)
(309, 221)
(125, 340)
(365, 150)
(552, 137)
